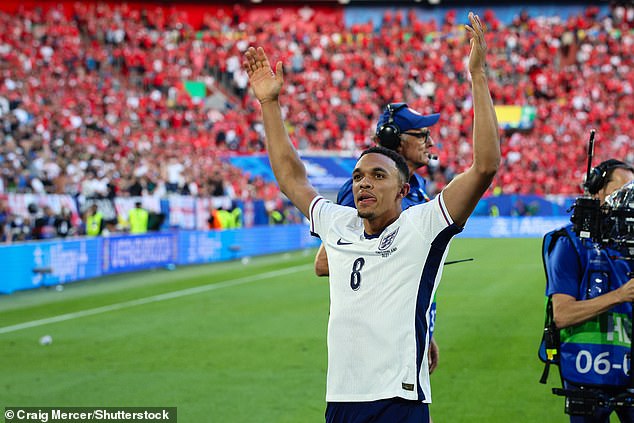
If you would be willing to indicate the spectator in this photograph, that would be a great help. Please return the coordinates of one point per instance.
(94, 221)
(236, 214)
(136, 189)
(138, 219)
(63, 223)
(5, 215)
(215, 221)
(19, 228)
(44, 227)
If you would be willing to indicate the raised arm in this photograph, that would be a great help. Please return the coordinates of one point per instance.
(463, 193)
(287, 166)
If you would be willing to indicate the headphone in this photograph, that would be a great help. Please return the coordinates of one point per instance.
(596, 177)
(389, 134)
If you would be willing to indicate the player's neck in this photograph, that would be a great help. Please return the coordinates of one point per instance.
(376, 225)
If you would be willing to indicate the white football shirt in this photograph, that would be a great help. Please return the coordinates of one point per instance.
(381, 289)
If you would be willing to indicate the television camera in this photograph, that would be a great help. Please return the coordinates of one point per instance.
(610, 225)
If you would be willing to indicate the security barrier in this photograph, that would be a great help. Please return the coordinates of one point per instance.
(48, 263)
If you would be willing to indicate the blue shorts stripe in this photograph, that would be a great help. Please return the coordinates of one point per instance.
(382, 411)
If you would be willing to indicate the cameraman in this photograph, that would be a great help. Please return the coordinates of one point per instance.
(591, 297)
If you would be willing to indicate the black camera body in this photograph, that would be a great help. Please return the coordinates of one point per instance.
(581, 406)
(611, 224)
(586, 218)
(584, 402)
(605, 225)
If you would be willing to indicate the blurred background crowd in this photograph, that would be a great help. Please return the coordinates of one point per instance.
(106, 101)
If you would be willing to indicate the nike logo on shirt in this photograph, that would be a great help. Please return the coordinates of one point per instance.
(340, 242)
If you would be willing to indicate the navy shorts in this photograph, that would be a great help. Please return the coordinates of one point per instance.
(392, 410)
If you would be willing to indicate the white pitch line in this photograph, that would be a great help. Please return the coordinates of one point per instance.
(152, 299)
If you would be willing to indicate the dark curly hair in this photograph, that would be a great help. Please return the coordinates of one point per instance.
(400, 162)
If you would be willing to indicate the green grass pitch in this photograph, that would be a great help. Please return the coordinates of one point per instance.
(230, 342)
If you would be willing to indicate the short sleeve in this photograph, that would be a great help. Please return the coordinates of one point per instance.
(432, 218)
(319, 215)
(564, 273)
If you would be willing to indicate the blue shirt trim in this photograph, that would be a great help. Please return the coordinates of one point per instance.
(425, 288)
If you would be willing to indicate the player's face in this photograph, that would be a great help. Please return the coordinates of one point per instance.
(618, 178)
(376, 187)
(416, 145)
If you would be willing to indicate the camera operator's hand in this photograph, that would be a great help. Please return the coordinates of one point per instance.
(626, 292)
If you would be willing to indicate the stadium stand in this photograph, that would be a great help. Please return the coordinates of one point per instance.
(104, 100)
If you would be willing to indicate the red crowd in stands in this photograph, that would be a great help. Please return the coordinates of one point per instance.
(94, 103)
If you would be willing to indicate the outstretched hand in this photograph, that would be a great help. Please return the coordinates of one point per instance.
(477, 57)
(266, 84)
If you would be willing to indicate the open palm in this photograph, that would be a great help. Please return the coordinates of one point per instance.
(478, 44)
(266, 85)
